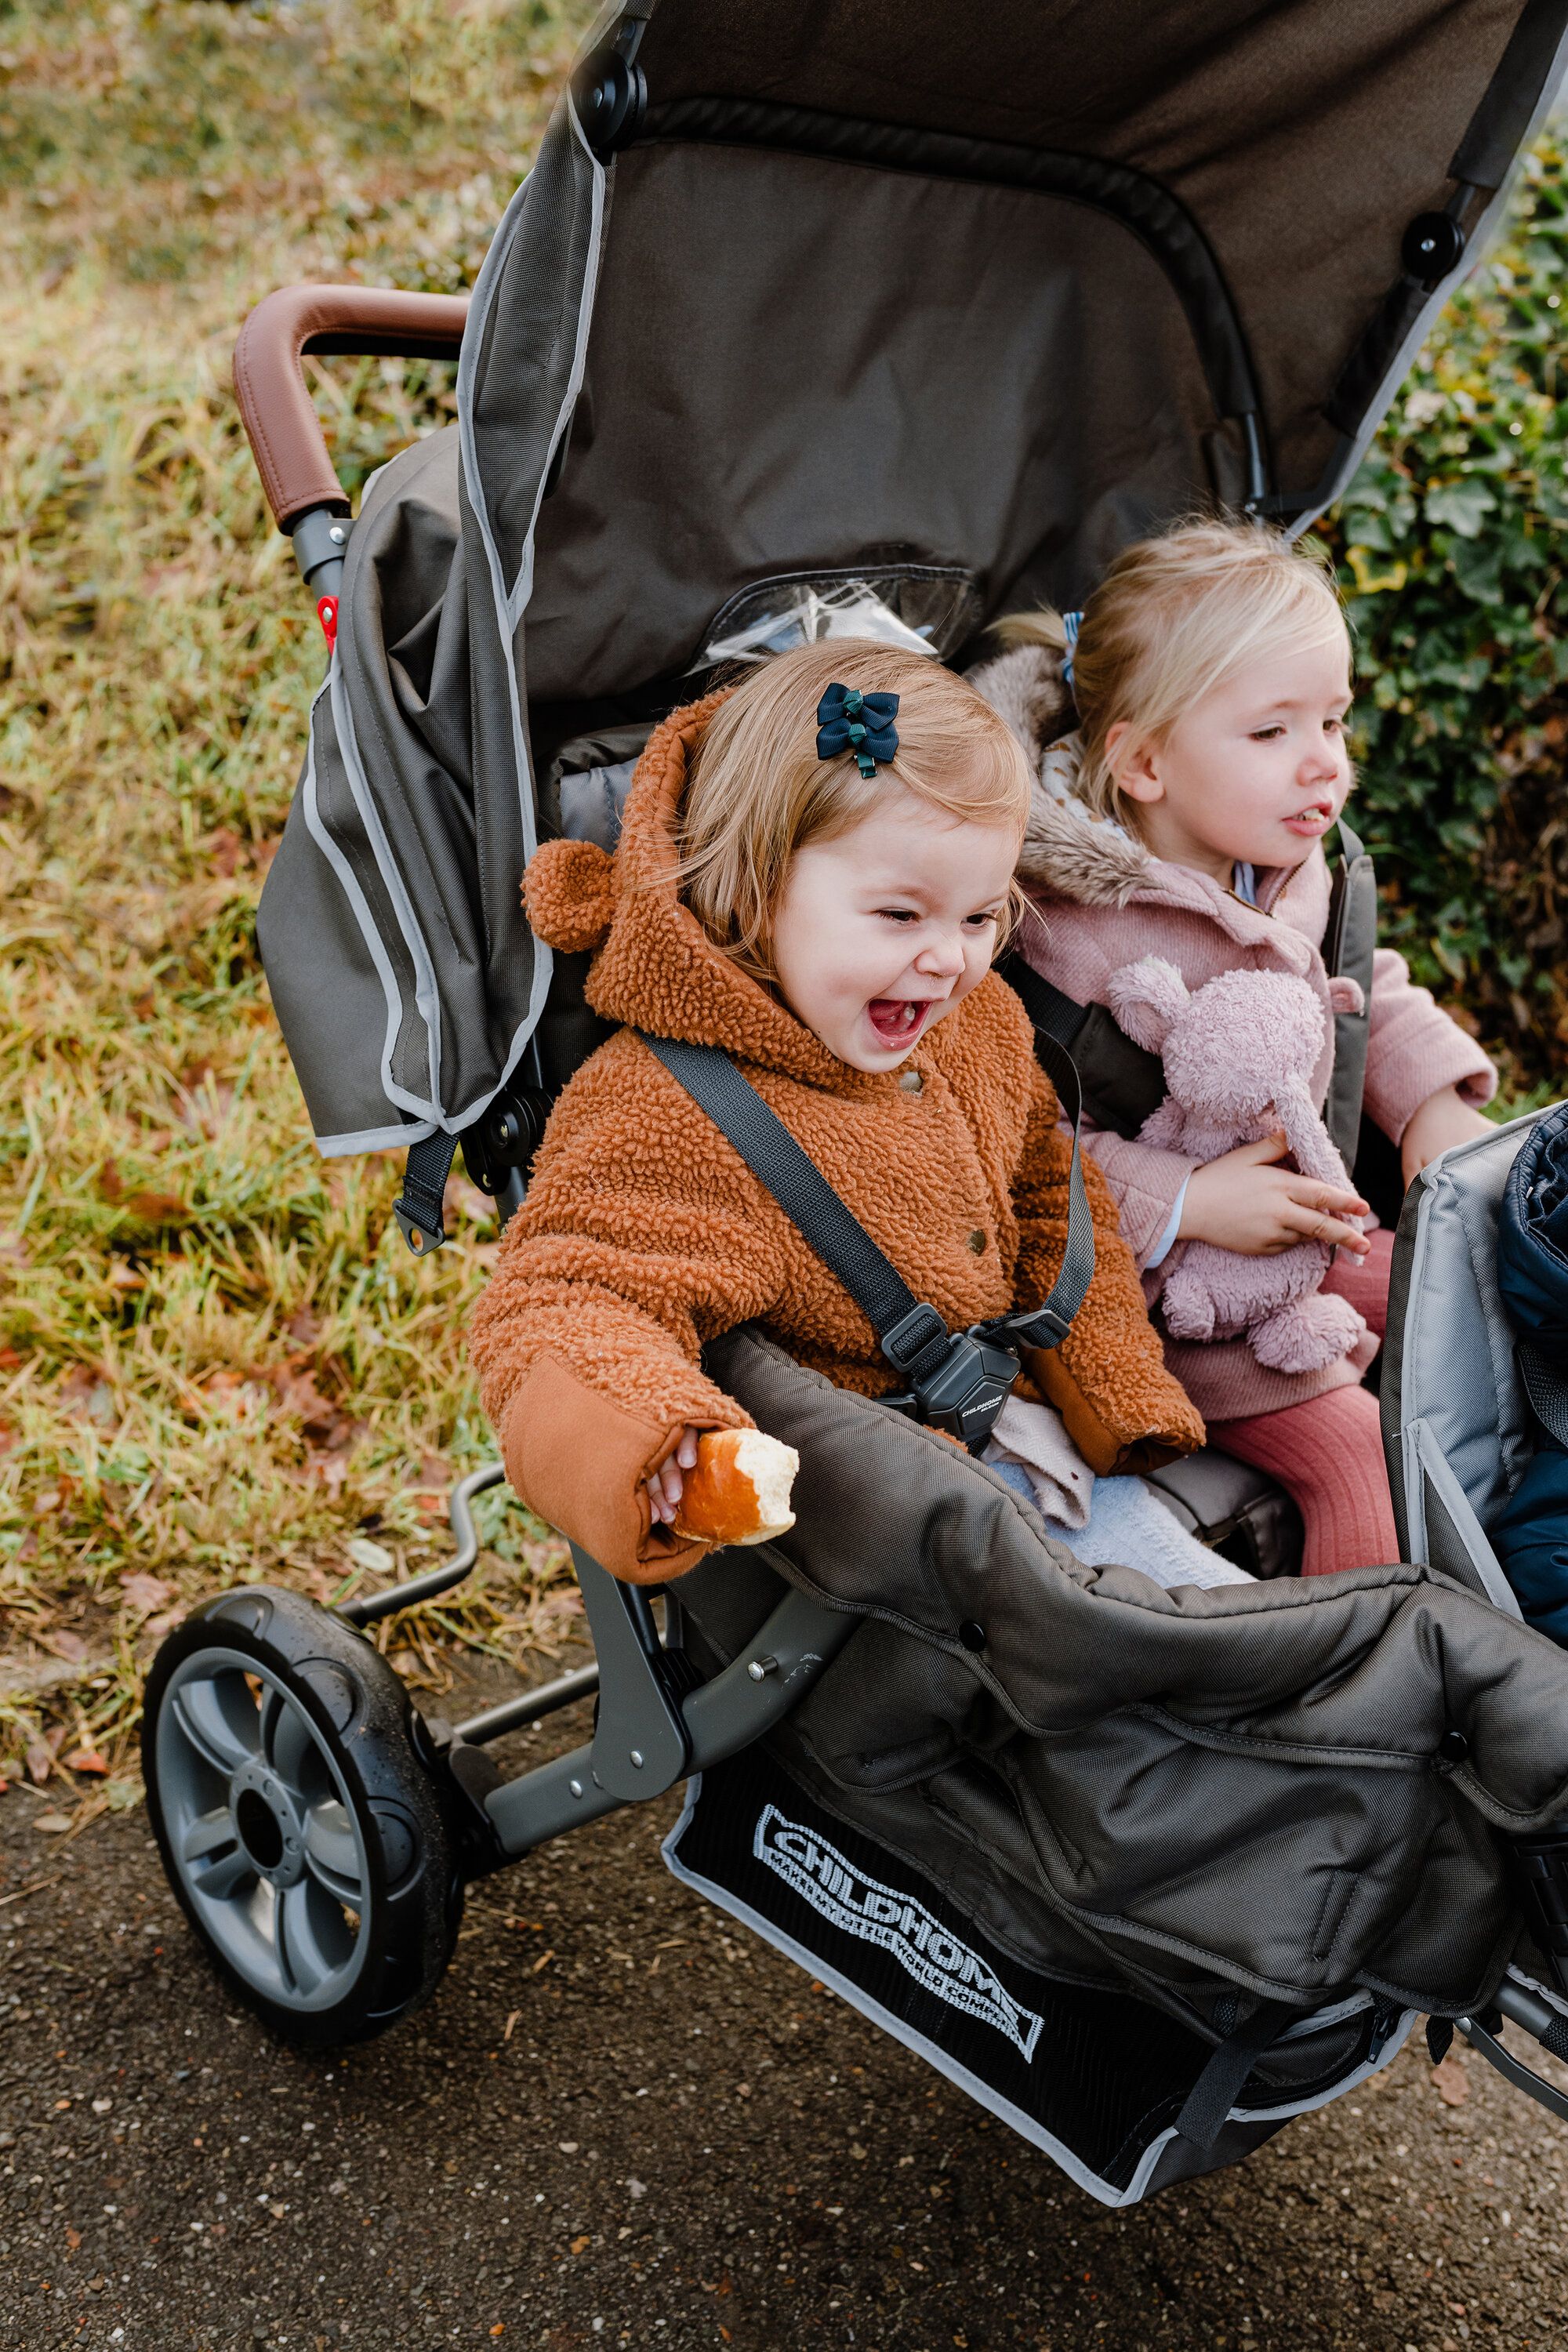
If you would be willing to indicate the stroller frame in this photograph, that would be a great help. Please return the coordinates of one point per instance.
(651, 1732)
(658, 1719)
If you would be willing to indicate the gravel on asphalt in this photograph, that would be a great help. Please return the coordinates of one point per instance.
(624, 2122)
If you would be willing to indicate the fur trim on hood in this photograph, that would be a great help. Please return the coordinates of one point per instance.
(1066, 853)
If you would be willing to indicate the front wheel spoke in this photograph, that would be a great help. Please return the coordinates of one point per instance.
(300, 1956)
(215, 1723)
(215, 1860)
(331, 1851)
(220, 1875)
(287, 1738)
(204, 1835)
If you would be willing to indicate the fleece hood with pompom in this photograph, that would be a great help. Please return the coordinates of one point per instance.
(644, 1234)
(1104, 901)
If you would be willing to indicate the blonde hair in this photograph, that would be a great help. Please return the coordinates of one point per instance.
(757, 792)
(1175, 618)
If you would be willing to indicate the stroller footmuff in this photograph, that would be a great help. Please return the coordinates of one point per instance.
(1265, 1808)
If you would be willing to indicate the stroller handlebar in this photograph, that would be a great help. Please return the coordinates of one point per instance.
(274, 404)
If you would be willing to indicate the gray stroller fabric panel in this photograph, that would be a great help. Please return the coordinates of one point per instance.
(985, 423)
(1244, 1783)
(1455, 1424)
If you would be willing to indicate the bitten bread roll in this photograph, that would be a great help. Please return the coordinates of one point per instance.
(738, 1492)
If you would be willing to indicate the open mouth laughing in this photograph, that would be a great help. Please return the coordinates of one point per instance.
(899, 1020)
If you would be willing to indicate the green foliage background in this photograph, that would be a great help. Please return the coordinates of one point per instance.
(1452, 542)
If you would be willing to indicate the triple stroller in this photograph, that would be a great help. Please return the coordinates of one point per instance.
(884, 321)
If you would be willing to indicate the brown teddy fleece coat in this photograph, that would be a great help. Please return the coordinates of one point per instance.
(644, 1234)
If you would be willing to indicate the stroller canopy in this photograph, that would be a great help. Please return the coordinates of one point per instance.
(955, 301)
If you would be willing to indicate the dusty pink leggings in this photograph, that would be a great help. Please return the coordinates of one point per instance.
(1328, 1453)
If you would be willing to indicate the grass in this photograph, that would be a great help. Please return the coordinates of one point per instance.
(217, 1361)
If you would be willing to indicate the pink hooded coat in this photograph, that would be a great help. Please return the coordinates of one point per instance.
(1103, 900)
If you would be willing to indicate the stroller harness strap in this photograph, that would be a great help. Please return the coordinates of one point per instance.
(958, 1381)
(1123, 1084)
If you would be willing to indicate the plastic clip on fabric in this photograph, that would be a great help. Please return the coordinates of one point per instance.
(959, 1380)
(848, 720)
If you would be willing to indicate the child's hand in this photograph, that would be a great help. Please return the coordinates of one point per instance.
(1240, 1201)
(1443, 1121)
(664, 1487)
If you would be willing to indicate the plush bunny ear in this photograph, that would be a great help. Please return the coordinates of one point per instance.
(1146, 998)
(1345, 994)
(569, 894)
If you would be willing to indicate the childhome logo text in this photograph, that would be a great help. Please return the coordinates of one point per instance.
(864, 1907)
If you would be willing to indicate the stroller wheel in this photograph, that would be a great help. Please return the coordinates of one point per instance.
(299, 1830)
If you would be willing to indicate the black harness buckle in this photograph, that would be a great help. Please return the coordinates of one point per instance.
(964, 1392)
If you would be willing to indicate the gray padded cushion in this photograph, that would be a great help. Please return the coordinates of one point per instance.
(1449, 1360)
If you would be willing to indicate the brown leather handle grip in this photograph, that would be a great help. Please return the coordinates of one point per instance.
(279, 416)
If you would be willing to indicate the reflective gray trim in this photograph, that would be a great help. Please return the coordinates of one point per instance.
(522, 586)
(980, 2093)
(1429, 1474)
(373, 1138)
(508, 609)
(349, 883)
(426, 1000)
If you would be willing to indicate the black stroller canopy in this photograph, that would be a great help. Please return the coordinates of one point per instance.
(1002, 289)
(954, 300)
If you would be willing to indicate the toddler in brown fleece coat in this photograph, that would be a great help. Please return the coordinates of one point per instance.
(830, 922)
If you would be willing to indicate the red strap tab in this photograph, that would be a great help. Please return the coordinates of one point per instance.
(327, 614)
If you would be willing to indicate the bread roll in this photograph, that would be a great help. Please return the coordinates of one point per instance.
(738, 1492)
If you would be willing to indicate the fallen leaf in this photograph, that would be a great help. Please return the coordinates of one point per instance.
(374, 1558)
(66, 1646)
(304, 1328)
(143, 1593)
(1450, 2082)
(73, 2238)
(579, 2244)
(51, 1824)
(111, 1183)
(40, 1762)
(158, 1208)
(88, 1759)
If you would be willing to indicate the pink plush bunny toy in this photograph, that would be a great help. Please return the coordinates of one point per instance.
(1238, 1054)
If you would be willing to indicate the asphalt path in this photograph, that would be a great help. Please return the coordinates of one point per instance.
(622, 2121)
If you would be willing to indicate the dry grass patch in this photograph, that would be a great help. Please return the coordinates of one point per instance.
(217, 1361)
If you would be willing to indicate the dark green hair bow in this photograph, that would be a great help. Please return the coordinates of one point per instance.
(848, 720)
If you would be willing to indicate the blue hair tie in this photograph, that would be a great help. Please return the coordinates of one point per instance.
(1071, 624)
(848, 720)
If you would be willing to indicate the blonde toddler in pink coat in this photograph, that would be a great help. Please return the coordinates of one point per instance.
(1189, 767)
